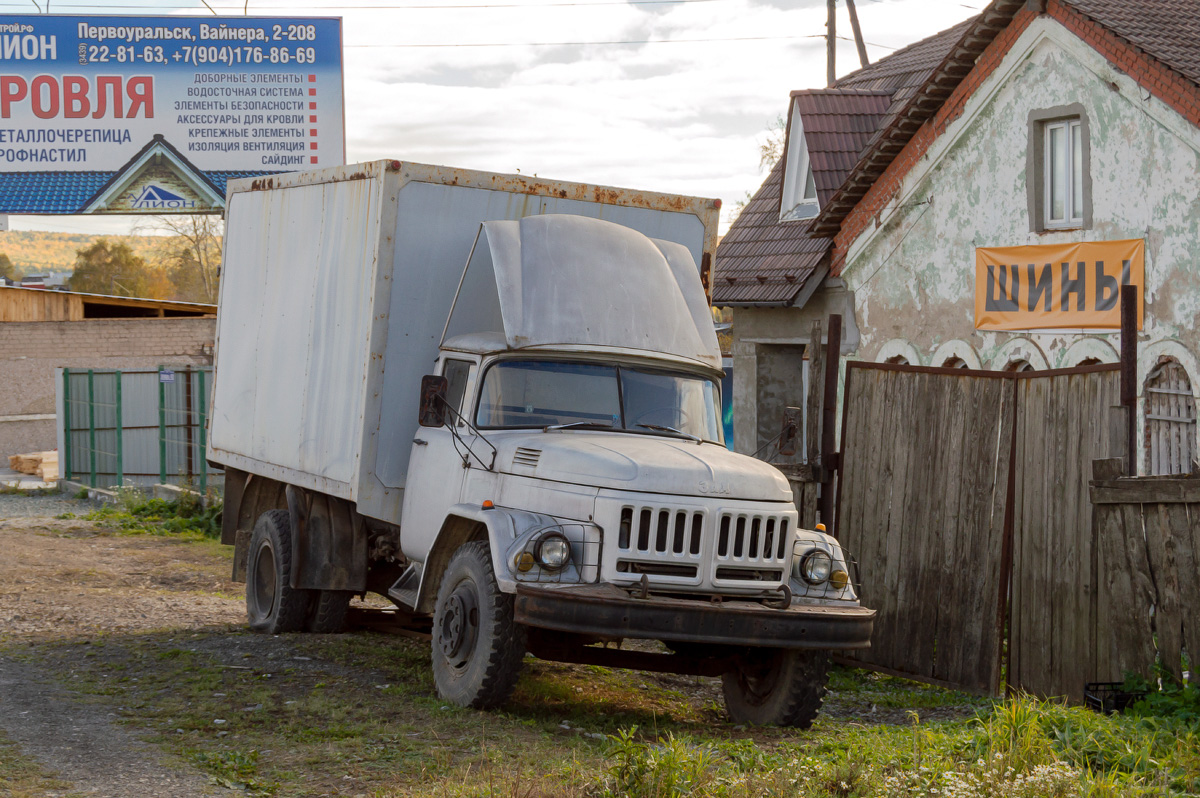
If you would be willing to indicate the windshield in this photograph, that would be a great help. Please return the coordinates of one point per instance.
(543, 393)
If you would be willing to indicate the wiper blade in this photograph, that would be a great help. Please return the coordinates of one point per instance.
(679, 432)
(578, 425)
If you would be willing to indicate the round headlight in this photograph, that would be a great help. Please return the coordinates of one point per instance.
(815, 567)
(553, 552)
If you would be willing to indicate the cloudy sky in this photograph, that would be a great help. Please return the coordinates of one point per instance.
(671, 96)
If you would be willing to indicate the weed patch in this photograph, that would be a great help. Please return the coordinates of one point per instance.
(135, 514)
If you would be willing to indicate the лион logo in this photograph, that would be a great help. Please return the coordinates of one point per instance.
(158, 198)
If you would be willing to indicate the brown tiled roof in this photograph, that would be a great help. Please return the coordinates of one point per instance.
(838, 123)
(762, 260)
(1168, 30)
(917, 102)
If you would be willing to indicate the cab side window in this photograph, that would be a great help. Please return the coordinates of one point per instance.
(456, 373)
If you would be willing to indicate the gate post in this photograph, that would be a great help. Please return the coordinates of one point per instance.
(1129, 298)
(829, 458)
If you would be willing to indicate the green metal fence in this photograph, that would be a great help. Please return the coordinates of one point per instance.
(136, 427)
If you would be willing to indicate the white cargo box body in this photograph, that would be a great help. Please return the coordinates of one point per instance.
(335, 290)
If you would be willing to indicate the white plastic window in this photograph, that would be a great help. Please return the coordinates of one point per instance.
(1063, 173)
(799, 196)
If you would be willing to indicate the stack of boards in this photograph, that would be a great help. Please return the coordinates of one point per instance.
(43, 465)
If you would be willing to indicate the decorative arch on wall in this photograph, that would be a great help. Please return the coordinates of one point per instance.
(955, 348)
(1091, 349)
(1170, 418)
(1150, 357)
(1020, 349)
(898, 348)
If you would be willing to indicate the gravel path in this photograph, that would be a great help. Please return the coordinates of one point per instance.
(15, 505)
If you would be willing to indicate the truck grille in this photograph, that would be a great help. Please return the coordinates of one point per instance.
(748, 548)
(751, 547)
(663, 542)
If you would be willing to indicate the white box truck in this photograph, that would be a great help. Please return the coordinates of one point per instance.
(495, 400)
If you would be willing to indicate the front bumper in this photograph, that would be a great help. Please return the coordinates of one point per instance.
(607, 611)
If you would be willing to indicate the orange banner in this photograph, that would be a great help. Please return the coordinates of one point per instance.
(1055, 286)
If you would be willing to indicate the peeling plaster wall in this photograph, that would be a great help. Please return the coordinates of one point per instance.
(913, 275)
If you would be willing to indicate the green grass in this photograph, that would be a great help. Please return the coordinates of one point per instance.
(359, 713)
(137, 514)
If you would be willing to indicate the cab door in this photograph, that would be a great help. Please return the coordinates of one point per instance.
(435, 468)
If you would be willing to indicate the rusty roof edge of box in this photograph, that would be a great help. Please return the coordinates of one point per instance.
(904, 125)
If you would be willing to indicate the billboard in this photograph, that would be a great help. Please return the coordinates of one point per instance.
(1057, 286)
(123, 114)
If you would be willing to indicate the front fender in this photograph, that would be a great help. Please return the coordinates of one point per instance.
(466, 522)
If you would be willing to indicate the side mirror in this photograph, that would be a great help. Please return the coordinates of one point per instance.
(433, 401)
(789, 436)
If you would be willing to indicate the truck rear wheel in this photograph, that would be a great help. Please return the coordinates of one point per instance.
(477, 646)
(327, 613)
(272, 606)
(777, 687)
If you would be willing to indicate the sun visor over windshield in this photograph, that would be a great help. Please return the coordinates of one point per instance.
(575, 281)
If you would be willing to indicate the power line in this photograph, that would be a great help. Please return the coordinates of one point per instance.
(262, 11)
(584, 44)
(403, 45)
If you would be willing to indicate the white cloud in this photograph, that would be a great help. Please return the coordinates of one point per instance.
(681, 117)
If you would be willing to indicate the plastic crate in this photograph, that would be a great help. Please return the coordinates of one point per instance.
(1108, 697)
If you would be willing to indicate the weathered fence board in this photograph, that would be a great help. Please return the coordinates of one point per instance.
(923, 511)
(1062, 425)
(1155, 524)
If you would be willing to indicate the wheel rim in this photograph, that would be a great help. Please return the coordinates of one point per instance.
(264, 581)
(459, 626)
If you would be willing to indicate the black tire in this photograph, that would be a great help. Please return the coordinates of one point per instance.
(777, 687)
(477, 646)
(327, 613)
(272, 606)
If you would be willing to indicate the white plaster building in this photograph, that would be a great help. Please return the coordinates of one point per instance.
(1032, 126)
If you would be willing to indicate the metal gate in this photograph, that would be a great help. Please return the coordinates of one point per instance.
(957, 483)
(134, 427)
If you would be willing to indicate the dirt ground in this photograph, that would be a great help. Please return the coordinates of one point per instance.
(60, 579)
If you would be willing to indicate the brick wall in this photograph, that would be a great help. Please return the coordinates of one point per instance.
(31, 351)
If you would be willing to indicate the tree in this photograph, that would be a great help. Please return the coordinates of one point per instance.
(193, 255)
(7, 269)
(770, 150)
(106, 268)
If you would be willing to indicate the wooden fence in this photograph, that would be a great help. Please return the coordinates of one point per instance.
(1064, 422)
(956, 485)
(1148, 530)
(922, 511)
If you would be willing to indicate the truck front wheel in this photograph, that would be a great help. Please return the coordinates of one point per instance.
(477, 646)
(272, 605)
(777, 687)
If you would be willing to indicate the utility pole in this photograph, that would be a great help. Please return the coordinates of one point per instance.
(831, 42)
(858, 37)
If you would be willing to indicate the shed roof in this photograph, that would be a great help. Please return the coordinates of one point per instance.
(40, 304)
